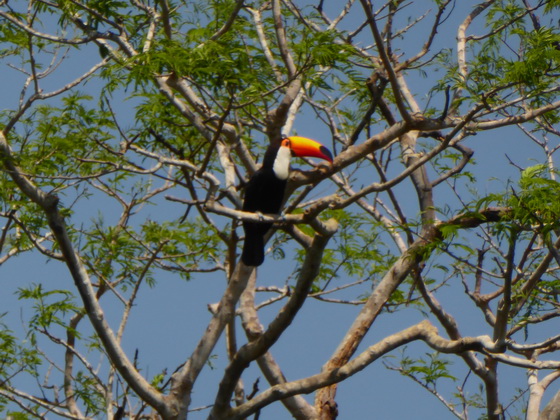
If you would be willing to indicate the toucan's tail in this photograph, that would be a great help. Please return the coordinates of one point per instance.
(253, 249)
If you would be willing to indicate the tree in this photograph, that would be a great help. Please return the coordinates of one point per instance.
(130, 129)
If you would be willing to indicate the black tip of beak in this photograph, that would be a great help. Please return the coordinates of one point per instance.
(327, 153)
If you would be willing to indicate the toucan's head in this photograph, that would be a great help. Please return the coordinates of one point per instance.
(304, 147)
(294, 146)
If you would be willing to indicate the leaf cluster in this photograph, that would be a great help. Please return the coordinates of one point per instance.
(76, 132)
(428, 369)
(16, 356)
(540, 63)
(50, 307)
(537, 203)
(358, 250)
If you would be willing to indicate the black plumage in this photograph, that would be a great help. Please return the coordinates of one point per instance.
(264, 193)
(265, 190)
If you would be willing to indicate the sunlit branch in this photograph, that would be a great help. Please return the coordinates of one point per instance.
(537, 389)
(13, 394)
(183, 380)
(282, 40)
(259, 346)
(257, 18)
(514, 119)
(387, 62)
(297, 405)
(48, 37)
(462, 46)
(423, 331)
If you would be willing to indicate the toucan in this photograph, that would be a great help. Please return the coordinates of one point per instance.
(264, 193)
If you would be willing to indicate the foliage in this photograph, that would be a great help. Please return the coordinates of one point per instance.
(538, 200)
(429, 369)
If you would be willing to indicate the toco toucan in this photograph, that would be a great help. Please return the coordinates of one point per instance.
(265, 190)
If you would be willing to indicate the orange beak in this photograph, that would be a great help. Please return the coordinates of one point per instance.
(302, 146)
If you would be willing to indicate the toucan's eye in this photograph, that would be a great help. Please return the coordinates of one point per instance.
(286, 143)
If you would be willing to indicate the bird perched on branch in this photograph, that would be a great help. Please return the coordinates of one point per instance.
(265, 190)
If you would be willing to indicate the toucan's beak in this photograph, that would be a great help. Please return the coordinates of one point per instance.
(302, 146)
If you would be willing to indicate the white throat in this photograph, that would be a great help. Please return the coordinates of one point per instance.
(281, 165)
